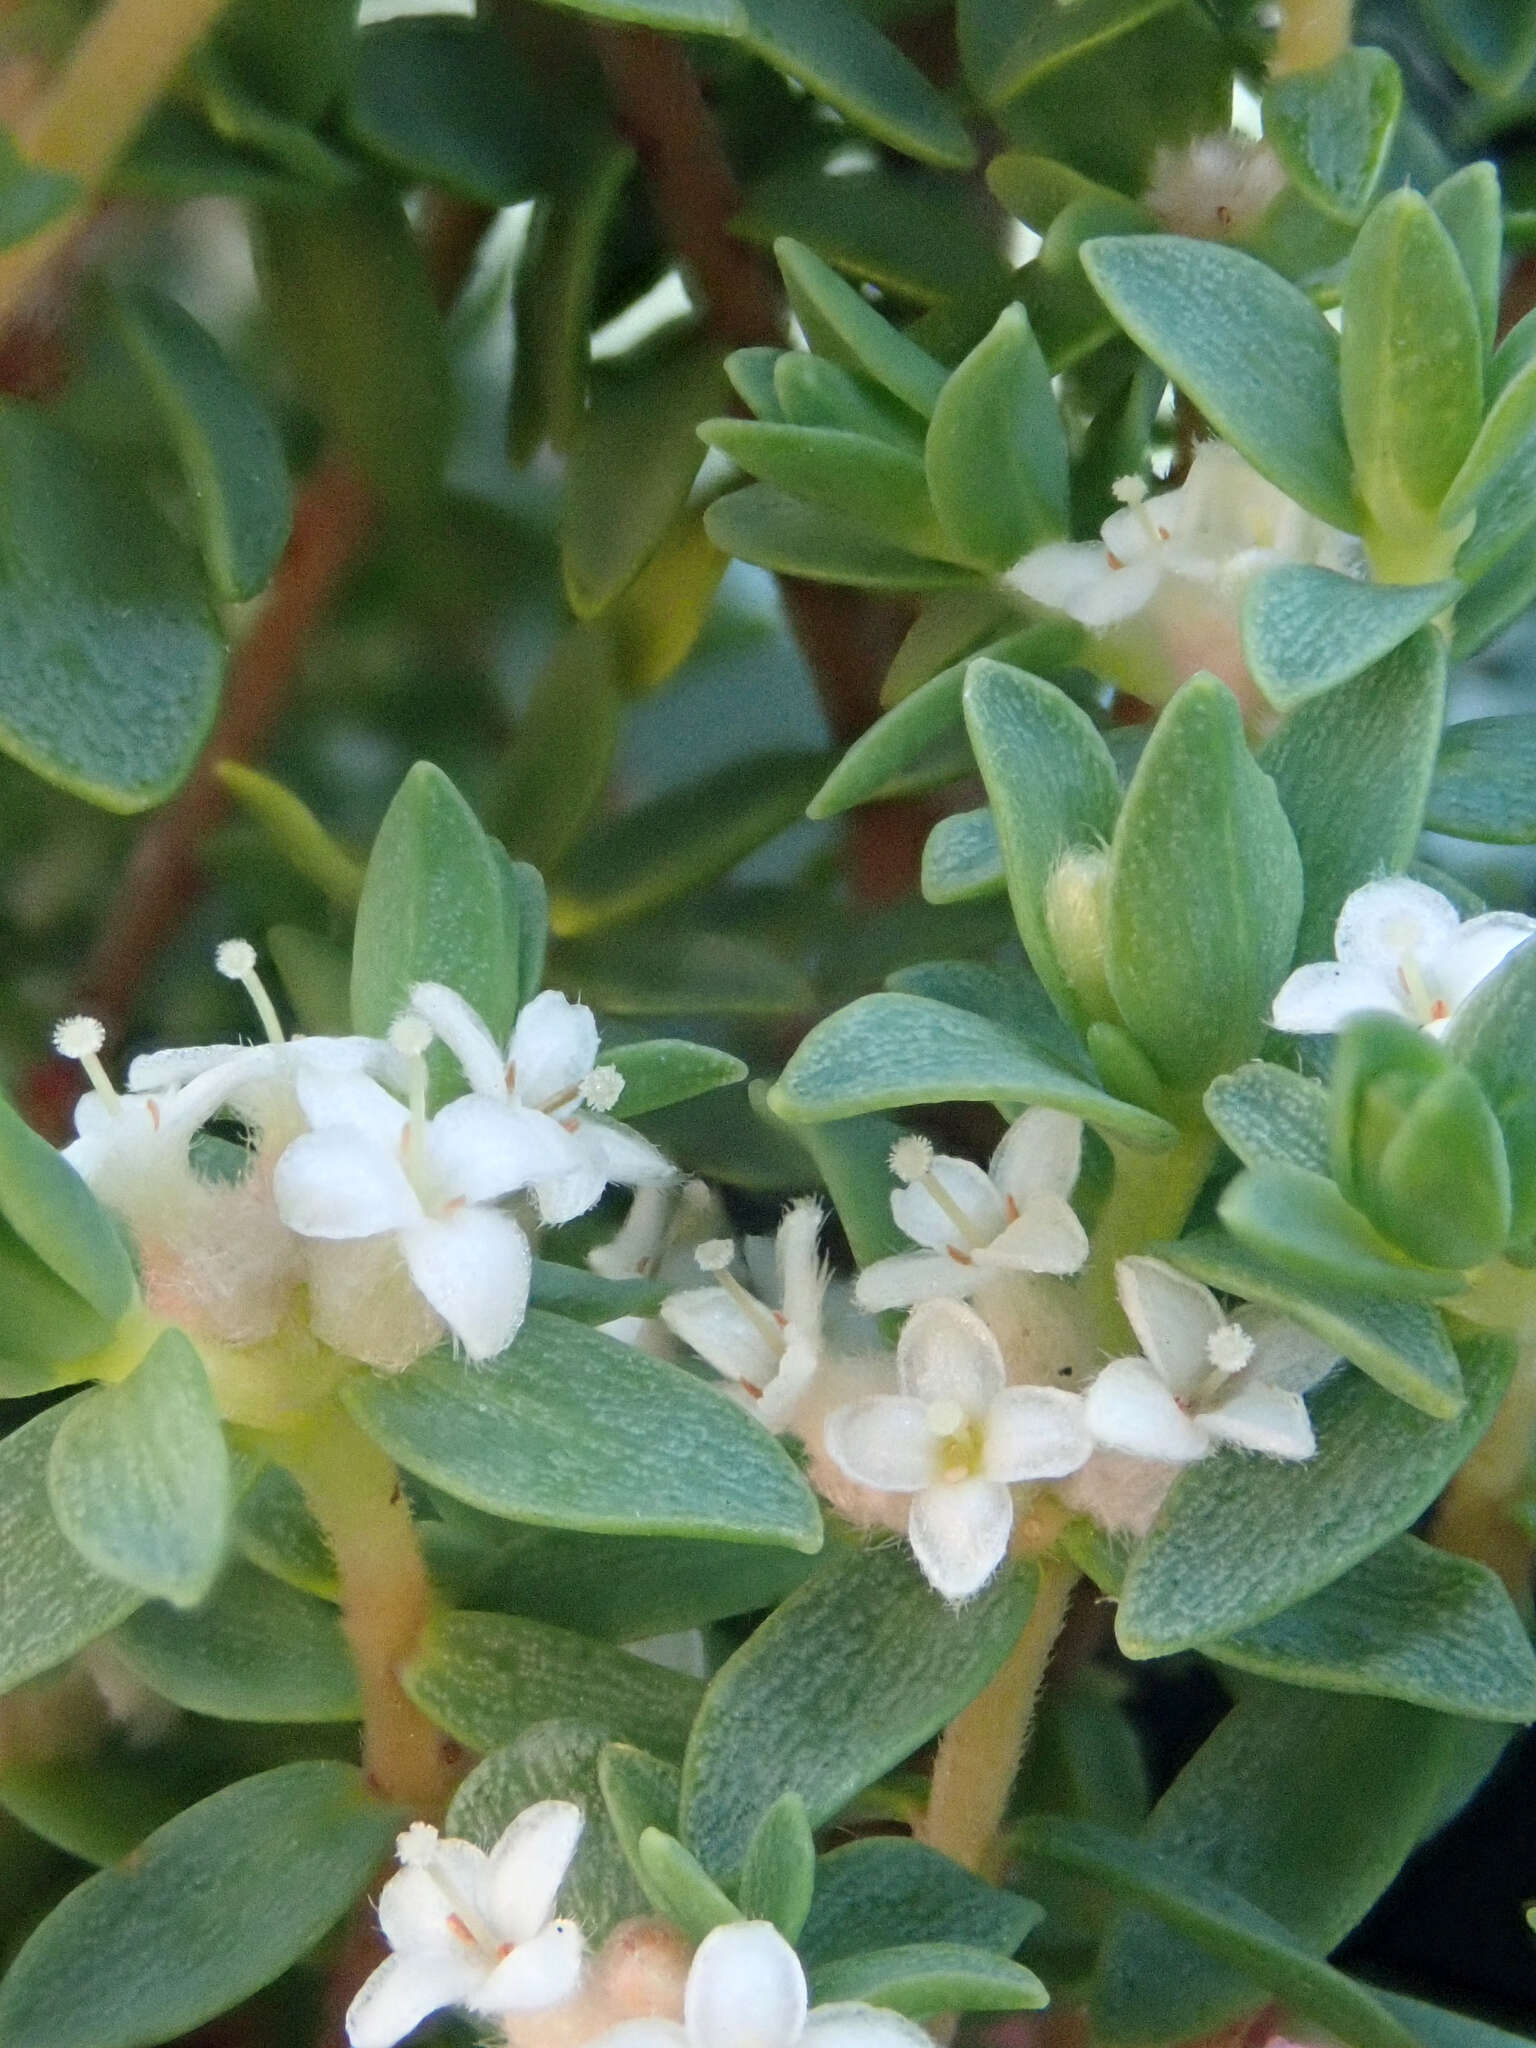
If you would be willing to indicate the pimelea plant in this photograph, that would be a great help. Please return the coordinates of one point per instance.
(603, 1450)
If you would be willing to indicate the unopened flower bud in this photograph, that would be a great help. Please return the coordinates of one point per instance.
(1076, 899)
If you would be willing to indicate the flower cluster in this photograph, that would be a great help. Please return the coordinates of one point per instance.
(392, 1220)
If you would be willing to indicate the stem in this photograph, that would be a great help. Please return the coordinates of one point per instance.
(1311, 33)
(981, 1749)
(1473, 1517)
(354, 1493)
(1150, 1200)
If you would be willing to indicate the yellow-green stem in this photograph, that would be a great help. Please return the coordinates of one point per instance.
(1152, 1195)
(354, 1493)
(1311, 33)
(1473, 1518)
(980, 1751)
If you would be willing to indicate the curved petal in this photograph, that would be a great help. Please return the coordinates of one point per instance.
(636, 1246)
(1129, 1409)
(474, 1268)
(538, 1973)
(862, 2026)
(916, 1276)
(643, 2034)
(745, 1989)
(1284, 1354)
(928, 1223)
(1385, 920)
(1324, 996)
(783, 1394)
(479, 1149)
(173, 1065)
(947, 1353)
(959, 1534)
(1175, 1318)
(466, 1035)
(528, 1867)
(721, 1331)
(1035, 1433)
(414, 1914)
(554, 1048)
(569, 1195)
(883, 1441)
(1119, 595)
(797, 1256)
(1041, 1153)
(338, 1183)
(1472, 953)
(1045, 1237)
(622, 1154)
(403, 1991)
(345, 1100)
(1258, 1417)
(1061, 573)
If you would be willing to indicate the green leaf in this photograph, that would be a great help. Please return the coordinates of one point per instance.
(316, 978)
(110, 656)
(525, 916)
(1434, 2027)
(922, 1979)
(589, 1298)
(1502, 591)
(639, 1792)
(1470, 209)
(1492, 1036)
(1502, 439)
(487, 1678)
(687, 17)
(1269, 1112)
(661, 1071)
(1353, 769)
(554, 1760)
(881, 487)
(658, 966)
(256, 1650)
(46, 1330)
(54, 1213)
(274, 1528)
(888, 1889)
(753, 373)
(1307, 630)
(996, 455)
(778, 1877)
(52, 1602)
(632, 465)
(143, 1953)
(99, 1809)
(789, 1711)
(1205, 891)
(1301, 1221)
(810, 391)
(1484, 785)
(1004, 52)
(443, 101)
(138, 1476)
(1410, 364)
(1401, 1344)
(1217, 322)
(888, 1050)
(1492, 47)
(842, 324)
(1409, 1623)
(963, 858)
(297, 833)
(1332, 129)
(677, 842)
(1007, 992)
(1220, 1921)
(776, 531)
(553, 775)
(1240, 1540)
(1053, 789)
(679, 1887)
(228, 447)
(31, 198)
(571, 1429)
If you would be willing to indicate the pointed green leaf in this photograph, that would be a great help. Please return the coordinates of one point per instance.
(1332, 129)
(1484, 785)
(1269, 1112)
(1005, 51)
(779, 1875)
(888, 1889)
(996, 454)
(1299, 1220)
(810, 391)
(297, 833)
(659, 1071)
(1492, 1035)
(880, 486)
(776, 531)
(1492, 47)
(832, 312)
(679, 1887)
(1307, 630)
(923, 1979)
(963, 858)
(54, 1213)
(1471, 210)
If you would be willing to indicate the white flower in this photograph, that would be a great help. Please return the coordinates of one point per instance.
(1204, 1378)
(128, 1138)
(473, 1930)
(656, 1241)
(746, 1989)
(550, 1065)
(371, 1168)
(1015, 1217)
(956, 1438)
(1215, 187)
(1399, 946)
(771, 1353)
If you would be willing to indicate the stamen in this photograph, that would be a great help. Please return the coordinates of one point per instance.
(1229, 1348)
(911, 1157)
(410, 1036)
(714, 1256)
(602, 1088)
(945, 1418)
(911, 1160)
(1416, 988)
(1132, 493)
(235, 959)
(81, 1038)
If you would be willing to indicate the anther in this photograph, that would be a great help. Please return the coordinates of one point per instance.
(602, 1088)
(235, 959)
(714, 1256)
(81, 1038)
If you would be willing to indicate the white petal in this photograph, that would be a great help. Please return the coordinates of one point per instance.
(1061, 573)
(947, 1353)
(1262, 1418)
(569, 1195)
(1040, 1154)
(925, 1220)
(528, 1867)
(959, 1534)
(480, 1148)
(1130, 1409)
(541, 1972)
(862, 2026)
(401, 1993)
(884, 1442)
(554, 1048)
(474, 1268)
(916, 1276)
(745, 1989)
(635, 1248)
(464, 1032)
(350, 1101)
(1120, 595)
(1045, 1237)
(622, 1154)
(338, 1183)
(1323, 997)
(1472, 953)
(642, 2034)
(174, 1064)
(801, 1274)
(1284, 1354)
(787, 1389)
(720, 1330)
(1385, 920)
(415, 1914)
(1175, 1318)
(1035, 1433)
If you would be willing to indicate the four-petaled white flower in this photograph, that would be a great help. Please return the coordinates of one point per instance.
(1399, 946)
(1204, 1378)
(746, 1989)
(472, 1929)
(550, 1065)
(956, 1438)
(1014, 1218)
(770, 1353)
(369, 1167)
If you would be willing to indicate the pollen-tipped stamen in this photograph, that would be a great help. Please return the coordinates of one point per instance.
(235, 959)
(81, 1038)
(410, 1036)
(912, 1161)
(714, 1257)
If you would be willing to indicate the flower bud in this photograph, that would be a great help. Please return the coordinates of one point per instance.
(1076, 906)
